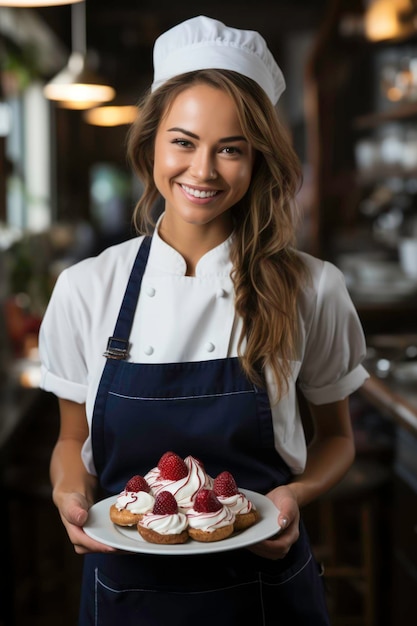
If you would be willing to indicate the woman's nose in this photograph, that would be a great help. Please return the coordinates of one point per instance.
(203, 167)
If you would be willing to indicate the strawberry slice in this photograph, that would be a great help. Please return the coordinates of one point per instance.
(206, 502)
(137, 483)
(225, 485)
(172, 467)
(165, 504)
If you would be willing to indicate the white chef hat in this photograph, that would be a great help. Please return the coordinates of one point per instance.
(203, 43)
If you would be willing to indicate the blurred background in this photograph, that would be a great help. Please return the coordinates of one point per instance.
(70, 78)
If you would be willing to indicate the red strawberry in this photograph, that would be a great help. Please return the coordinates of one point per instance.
(137, 483)
(165, 504)
(206, 501)
(172, 467)
(225, 485)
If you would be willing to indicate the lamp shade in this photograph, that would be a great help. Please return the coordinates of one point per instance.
(36, 3)
(77, 84)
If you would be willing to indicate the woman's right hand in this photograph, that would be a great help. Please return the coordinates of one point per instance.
(70, 480)
(73, 509)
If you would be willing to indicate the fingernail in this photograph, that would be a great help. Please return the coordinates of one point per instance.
(283, 522)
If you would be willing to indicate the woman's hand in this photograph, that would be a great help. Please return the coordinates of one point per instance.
(277, 547)
(73, 509)
(73, 486)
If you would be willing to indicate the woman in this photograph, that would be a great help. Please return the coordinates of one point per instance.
(220, 313)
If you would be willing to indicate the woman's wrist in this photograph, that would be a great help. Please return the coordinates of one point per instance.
(296, 490)
(84, 488)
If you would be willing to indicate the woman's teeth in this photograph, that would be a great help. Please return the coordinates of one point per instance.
(197, 193)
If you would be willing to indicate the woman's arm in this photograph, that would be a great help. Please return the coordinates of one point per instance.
(73, 486)
(330, 454)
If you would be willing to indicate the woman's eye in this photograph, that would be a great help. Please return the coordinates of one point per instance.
(182, 142)
(231, 150)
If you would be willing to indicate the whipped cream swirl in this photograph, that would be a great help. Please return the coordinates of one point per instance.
(209, 522)
(237, 503)
(165, 524)
(137, 502)
(185, 489)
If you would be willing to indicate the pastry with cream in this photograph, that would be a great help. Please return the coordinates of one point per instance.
(165, 524)
(181, 477)
(135, 500)
(227, 492)
(208, 519)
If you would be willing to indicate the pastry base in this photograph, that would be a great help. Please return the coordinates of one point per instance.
(245, 520)
(154, 537)
(124, 517)
(216, 535)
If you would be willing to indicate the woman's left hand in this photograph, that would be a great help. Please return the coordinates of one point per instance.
(278, 546)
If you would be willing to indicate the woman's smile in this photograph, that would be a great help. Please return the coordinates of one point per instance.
(199, 193)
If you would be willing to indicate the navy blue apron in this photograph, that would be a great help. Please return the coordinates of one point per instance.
(209, 410)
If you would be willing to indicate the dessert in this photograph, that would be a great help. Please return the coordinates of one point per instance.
(209, 519)
(225, 488)
(178, 499)
(165, 524)
(132, 502)
(182, 478)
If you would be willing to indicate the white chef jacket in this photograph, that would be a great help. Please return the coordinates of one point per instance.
(192, 318)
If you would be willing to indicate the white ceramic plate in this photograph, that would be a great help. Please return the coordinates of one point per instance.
(100, 527)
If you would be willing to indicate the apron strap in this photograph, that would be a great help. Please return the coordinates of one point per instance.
(118, 344)
(117, 350)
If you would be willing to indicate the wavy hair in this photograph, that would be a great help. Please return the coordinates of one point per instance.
(267, 270)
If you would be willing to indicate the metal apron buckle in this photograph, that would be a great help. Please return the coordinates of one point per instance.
(117, 349)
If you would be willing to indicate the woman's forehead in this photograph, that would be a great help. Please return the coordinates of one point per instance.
(199, 99)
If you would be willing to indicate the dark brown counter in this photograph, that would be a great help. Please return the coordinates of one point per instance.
(395, 401)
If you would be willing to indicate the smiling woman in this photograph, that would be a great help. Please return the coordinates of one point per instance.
(211, 324)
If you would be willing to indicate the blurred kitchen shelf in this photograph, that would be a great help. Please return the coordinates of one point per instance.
(403, 111)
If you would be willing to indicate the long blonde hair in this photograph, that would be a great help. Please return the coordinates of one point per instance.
(267, 270)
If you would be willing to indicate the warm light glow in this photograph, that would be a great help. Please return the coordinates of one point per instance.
(80, 105)
(382, 19)
(35, 3)
(79, 93)
(76, 85)
(111, 115)
(394, 94)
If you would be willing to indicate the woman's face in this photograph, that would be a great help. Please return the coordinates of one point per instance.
(203, 163)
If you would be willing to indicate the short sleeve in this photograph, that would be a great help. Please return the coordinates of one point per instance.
(63, 364)
(334, 343)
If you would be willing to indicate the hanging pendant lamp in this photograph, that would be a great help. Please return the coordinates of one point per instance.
(35, 3)
(77, 86)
